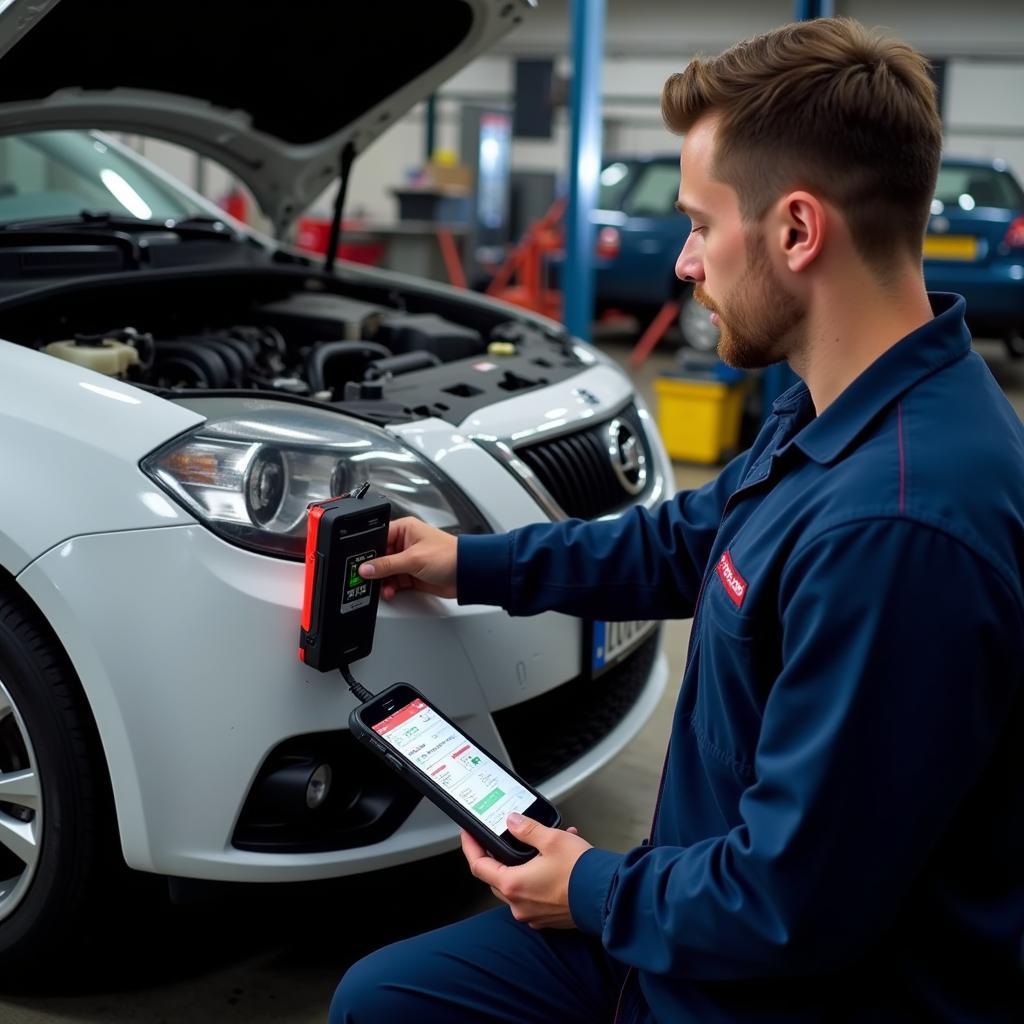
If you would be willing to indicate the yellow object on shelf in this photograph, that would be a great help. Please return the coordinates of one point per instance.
(699, 420)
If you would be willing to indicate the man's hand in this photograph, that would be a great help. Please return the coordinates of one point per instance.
(419, 557)
(537, 892)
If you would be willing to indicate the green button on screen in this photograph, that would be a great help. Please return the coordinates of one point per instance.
(488, 801)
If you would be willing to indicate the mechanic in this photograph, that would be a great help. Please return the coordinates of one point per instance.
(840, 828)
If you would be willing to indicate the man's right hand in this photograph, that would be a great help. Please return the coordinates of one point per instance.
(419, 557)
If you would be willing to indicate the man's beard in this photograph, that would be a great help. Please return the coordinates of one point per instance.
(759, 322)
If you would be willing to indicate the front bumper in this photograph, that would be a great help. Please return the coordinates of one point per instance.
(186, 648)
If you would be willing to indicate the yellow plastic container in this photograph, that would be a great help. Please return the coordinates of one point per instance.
(699, 420)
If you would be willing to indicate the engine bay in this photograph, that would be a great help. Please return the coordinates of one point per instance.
(381, 354)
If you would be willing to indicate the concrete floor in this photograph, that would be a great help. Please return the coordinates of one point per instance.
(274, 954)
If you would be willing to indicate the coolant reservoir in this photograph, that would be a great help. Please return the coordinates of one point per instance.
(109, 356)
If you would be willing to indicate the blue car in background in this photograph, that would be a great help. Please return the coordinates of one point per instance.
(639, 235)
(974, 245)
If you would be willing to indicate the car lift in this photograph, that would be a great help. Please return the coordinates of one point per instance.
(667, 316)
(526, 264)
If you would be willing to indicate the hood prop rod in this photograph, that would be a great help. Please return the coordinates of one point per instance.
(348, 155)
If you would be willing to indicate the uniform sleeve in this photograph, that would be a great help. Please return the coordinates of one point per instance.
(645, 564)
(902, 655)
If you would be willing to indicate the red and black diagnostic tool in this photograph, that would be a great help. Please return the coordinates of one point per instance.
(339, 607)
(339, 611)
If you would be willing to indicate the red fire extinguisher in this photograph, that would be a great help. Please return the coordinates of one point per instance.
(236, 204)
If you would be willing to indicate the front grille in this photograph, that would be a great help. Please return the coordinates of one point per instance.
(549, 732)
(577, 471)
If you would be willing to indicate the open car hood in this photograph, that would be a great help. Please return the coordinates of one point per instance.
(272, 91)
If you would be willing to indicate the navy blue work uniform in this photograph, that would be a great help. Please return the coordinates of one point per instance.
(840, 829)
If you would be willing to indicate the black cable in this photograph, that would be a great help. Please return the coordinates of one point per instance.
(361, 693)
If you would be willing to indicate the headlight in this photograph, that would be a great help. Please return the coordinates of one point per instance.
(250, 477)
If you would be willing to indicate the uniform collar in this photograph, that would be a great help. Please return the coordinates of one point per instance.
(936, 344)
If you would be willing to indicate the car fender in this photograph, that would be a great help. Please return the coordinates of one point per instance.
(72, 441)
(100, 695)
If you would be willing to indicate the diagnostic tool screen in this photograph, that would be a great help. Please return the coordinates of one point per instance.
(455, 764)
(355, 590)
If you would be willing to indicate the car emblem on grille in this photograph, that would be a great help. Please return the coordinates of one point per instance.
(626, 454)
(940, 225)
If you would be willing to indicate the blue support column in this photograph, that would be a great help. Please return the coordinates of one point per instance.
(808, 9)
(587, 18)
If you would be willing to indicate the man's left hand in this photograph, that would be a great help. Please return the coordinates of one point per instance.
(537, 892)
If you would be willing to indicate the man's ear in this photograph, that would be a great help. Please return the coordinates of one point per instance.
(801, 223)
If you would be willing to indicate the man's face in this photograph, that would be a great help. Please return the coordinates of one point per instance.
(759, 320)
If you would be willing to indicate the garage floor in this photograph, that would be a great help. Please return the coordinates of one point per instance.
(274, 954)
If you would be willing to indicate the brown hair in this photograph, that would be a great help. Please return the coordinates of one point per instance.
(829, 106)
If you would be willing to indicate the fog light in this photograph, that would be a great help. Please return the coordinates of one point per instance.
(318, 787)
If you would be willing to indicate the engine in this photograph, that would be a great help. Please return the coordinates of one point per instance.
(305, 344)
(384, 361)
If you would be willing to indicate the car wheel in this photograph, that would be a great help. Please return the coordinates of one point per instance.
(695, 324)
(1014, 341)
(50, 798)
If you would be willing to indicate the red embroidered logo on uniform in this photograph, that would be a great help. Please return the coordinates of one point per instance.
(735, 585)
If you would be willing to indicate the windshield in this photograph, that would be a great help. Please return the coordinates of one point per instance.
(640, 189)
(615, 179)
(655, 192)
(61, 173)
(968, 186)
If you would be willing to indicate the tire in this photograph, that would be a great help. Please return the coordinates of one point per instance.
(695, 324)
(52, 820)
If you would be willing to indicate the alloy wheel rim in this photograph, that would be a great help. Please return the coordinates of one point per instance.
(695, 323)
(21, 807)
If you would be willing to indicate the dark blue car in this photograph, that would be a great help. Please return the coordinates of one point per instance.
(974, 245)
(639, 235)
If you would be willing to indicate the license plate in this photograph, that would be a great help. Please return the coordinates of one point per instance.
(612, 641)
(950, 247)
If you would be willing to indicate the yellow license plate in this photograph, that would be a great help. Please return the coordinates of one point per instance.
(950, 247)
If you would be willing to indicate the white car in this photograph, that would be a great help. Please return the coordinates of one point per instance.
(175, 390)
